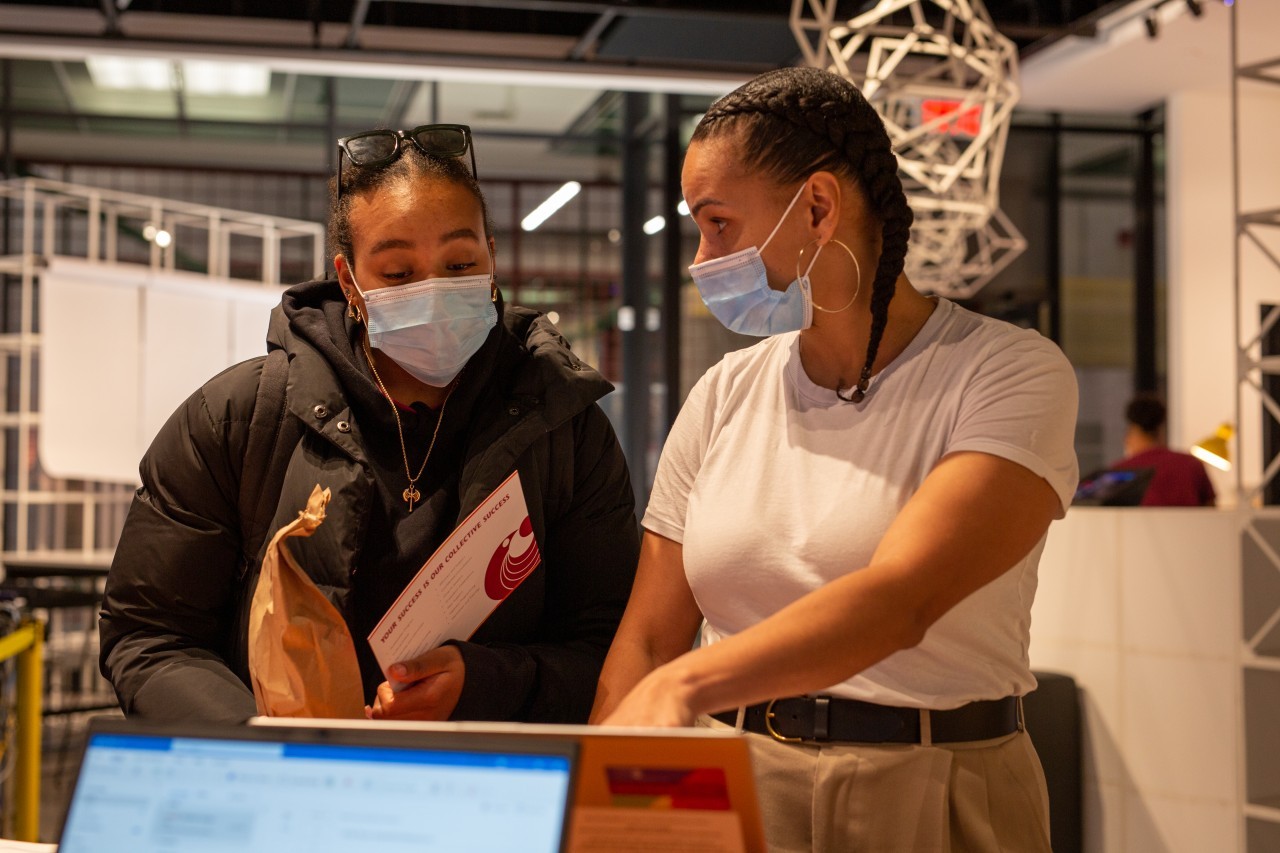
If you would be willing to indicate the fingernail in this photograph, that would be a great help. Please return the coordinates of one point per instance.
(399, 670)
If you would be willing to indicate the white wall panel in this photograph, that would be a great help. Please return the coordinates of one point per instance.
(186, 342)
(1173, 825)
(122, 347)
(90, 363)
(1077, 600)
(1181, 719)
(1141, 607)
(1176, 594)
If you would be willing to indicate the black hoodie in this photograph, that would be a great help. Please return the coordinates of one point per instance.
(173, 628)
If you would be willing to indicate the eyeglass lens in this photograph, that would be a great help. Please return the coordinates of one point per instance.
(365, 150)
(441, 141)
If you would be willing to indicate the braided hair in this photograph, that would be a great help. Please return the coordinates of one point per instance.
(792, 122)
(410, 167)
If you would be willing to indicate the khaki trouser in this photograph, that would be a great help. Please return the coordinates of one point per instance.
(953, 798)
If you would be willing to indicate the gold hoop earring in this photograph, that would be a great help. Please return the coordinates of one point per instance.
(354, 313)
(856, 266)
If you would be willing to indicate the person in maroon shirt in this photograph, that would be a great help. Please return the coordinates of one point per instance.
(1180, 478)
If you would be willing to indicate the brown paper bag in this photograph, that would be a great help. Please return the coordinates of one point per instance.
(302, 660)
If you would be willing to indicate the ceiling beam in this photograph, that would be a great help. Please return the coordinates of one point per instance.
(398, 100)
(593, 33)
(112, 16)
(287, 98)
(64, 88)
(180, 99)
(358, 14)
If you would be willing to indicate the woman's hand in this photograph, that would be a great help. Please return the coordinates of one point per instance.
(657, 701)
(430, 686)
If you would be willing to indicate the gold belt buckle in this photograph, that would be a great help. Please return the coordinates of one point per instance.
(773, 733)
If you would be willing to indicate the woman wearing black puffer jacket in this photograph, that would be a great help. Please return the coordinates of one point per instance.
(409, 390)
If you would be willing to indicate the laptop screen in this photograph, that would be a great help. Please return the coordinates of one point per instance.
(313, 790)
(1113, 487)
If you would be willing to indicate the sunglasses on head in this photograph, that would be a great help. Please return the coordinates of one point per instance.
(379, 147)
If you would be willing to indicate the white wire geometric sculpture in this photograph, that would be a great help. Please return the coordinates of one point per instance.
(946, 89)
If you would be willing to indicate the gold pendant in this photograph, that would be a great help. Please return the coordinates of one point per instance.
(411, 494)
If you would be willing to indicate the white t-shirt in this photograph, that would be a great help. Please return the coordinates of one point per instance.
(775, 487)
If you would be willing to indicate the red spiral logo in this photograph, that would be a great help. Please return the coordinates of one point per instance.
(512, 562)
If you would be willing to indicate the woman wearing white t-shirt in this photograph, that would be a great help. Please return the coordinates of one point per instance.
(855, 506)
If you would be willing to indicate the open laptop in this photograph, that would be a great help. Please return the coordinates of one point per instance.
(669, 790)
(146, 789)
(1113, 487)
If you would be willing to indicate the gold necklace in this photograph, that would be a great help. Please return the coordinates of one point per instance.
(411, 495)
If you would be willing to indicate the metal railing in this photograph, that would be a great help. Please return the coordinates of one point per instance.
(194, 230)
(26, 643)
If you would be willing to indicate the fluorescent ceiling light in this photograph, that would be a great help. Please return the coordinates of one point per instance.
(199, 77)
(244, 79)
(682, 208)
(554, 202)
(133, 73)
(653, 226)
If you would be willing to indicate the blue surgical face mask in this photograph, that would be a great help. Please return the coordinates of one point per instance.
(431, 328)
(736, 290)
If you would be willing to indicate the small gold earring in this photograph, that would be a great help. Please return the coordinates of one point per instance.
(354, 313)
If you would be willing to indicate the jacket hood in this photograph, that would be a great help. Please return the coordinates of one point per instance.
(552, 371)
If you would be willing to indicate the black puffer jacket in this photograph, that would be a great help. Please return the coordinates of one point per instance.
(174, 619)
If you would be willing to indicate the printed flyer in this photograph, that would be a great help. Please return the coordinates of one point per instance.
(489, 554)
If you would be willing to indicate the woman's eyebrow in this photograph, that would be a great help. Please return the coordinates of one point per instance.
(384, 245)
(701, 203)
(459, 234)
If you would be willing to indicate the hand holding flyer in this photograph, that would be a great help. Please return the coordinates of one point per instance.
(489, 554)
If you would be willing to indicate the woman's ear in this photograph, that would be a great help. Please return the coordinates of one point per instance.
(347, 282)
(825, 206)
(344, 279)
(344, 274)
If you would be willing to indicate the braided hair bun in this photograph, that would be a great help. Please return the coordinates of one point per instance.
(792, 122)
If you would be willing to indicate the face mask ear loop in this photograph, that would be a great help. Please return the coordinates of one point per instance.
(813, 261)
(351, 271)
(493, 277)
(804, 279)
(794, 199)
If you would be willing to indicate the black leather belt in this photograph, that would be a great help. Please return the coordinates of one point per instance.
(830, 719)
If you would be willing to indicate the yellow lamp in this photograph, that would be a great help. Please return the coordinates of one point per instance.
(1212, 450)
